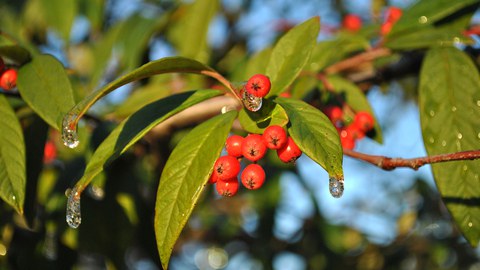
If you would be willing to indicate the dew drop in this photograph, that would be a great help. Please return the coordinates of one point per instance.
(431, 140)
(478, 135)
(251, 102)
(432, 113)
(423, 19)
(69, 131)
(470, 224)
(454, 109)
(74, 216)
(478, 103)
(444, 143)
(336, 187)
(459, 136)
(14, 198)
(465, 167)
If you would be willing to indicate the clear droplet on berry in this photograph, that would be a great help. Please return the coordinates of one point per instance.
(69, 130)
(74, 216)
(336, 186)
(251, 102)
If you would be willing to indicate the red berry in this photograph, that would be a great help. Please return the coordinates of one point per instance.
(226, 167)
(49, 152)
(234, 146)
(227, 187)
(393, 14)
(355, 131)
(364, 121)
(289, 152)
(352, 22)
(258, 85)
(334, 113)
(253, 176)
(386, 28)
(275, 137)
(8, 80)
(253, 147)
(213, 178)
(347, 138)
(286, 94)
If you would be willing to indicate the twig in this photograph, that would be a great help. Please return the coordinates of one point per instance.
(388, 163)
(357, 60)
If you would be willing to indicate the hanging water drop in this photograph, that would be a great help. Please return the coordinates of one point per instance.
(69, 131)
(252, 103)
(74, 216)
(336, 187)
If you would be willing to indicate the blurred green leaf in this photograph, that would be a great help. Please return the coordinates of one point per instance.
(258, 63)
(427, 37)
(184, 178)
(12, 158)
(94, 11)
(161, 66)
(45, 86)
(136, 126)
(450, 116)
(428, 12)
(355, 98)
(291, 53)
(269, 114)
(191, 31)
(315, 134)
(15, 53)
(60, 15)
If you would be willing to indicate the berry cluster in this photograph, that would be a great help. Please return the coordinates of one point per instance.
(8, 77)
(362, 123)
(393, 14)
(253, 147)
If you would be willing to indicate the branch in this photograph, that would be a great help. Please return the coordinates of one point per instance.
(357, 60)
(388, 164)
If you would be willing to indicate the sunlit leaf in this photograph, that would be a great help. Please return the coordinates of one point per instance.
(291, 53)
(12, 158)
(315, 134)
(450, 116)
(269, 114)
(136, 126)
(184, 178)
(44, 85)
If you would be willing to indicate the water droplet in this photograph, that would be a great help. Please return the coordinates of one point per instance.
(478, 135)
(423, 19)
(470, 224)
(476, 176)
(251, 102)
(431, 140)
(74, 216)
(465, 167)
(432, 113)
(14, 198)
(336, 187)
(444, 143)
(459, 136)
(454, 109)
(69, 131)
(96, 192)
(478, 103)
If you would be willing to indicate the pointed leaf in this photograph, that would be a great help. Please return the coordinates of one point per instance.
(15, 53)
(314, 134)
(44, 85)
(184, 178)
(450, 116)
(270, 114)
(135, 127)
(291, 53)
(12, 158)
(161, 66)
(60, 15)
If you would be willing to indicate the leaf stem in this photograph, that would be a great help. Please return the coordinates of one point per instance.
(217, 76)
(388, 163)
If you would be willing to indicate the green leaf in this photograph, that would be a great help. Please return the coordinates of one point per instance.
(291, 53)
(315, 134)
(161, 66)
(15, 53)
(355, 98)
(60, 15)
(428, 12)
(449, 100)
(258, 63)
(184, 178)
(270, 114)
(136, 126)
(93, 10)
(191, 32)
(427, 37)
(44, 85)
(12, 158)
